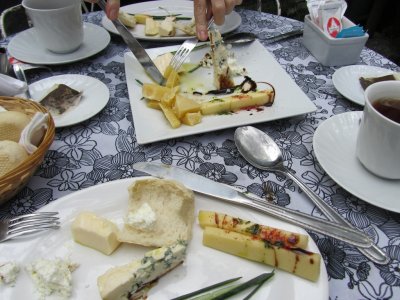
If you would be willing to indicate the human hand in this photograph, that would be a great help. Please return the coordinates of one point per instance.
(204, 9)
(112, 8)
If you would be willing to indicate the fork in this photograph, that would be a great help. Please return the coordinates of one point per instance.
(28, 224)
(184, 50)
(20, 74)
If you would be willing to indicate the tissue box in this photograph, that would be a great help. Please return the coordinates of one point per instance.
(332, 51)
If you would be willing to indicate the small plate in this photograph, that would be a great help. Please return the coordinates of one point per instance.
(157, 8)
(94, 97)
(203, 266)
(335, 147)
(25, 47)
(290, 100)
(346, 80)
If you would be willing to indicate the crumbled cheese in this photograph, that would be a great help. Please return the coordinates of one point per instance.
(144, 218)
(8, 272)
(52, 276)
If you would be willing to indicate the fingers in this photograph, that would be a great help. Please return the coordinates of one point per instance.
(230, 5)
(204, 9)
(200, 15)
(112, 9)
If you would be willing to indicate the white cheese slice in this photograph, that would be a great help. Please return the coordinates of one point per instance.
(125, 281)
(95, 232)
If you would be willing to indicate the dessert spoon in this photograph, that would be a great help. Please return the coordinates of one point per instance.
(261, 151)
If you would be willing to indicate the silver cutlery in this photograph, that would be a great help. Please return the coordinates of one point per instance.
(261, 151)
(184, 50)
(283, 36)
(226, 193)
(20, 74)
(137, 49)
(28, 224)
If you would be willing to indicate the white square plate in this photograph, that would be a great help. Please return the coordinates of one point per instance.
(151, 125)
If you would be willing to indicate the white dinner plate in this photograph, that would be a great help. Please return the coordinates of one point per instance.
(25, 47)
(203, 266)
(335, 148)
(95, 95)
(346, 80)
(261, 66)
(154, 8)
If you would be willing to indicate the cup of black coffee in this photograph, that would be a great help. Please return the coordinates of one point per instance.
(378, 139)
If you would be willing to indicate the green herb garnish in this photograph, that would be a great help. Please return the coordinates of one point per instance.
(206, 289)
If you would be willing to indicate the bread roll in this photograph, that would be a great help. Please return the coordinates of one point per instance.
(11, 155)
(11, 125)
(160, 213)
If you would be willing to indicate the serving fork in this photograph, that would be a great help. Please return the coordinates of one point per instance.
(28, 224)
(184, 50)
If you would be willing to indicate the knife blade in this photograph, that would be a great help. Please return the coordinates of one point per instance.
(231, 195)
(283, 36)
(136, 48)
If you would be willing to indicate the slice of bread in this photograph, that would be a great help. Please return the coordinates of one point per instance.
(172, 216)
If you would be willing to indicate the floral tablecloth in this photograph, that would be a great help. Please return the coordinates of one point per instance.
(103, 148)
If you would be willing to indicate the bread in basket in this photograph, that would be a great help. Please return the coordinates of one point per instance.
(12, 182)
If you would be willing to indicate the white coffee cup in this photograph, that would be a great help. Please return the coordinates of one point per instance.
(378, 139)
(57, 23)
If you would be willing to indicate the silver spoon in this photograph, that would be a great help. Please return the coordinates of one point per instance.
(239, 38)
(261, 151)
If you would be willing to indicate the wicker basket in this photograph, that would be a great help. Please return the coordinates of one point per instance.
(12, 182)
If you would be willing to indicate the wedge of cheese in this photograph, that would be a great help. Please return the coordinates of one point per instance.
(274, 236)
(223, 76)
(95, 232)
(167, 27)
(151, 27)
(237, 102)
(127, 281)
(300, 262)
(127, 19)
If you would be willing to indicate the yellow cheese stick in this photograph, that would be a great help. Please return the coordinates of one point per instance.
(237, 102)
(299, 262)
(273, 235)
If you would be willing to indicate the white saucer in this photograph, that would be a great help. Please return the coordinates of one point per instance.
(346, 80)
(94, 97)
(334, 145)
(25, 47)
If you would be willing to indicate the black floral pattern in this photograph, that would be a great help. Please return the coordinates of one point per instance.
(104, 148)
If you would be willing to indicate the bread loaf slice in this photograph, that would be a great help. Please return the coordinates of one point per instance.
(160, 212)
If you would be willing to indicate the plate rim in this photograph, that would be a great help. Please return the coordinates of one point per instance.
(65, 219)
(343, 92)
(83, 77)
(318, 138)
(110, 27)
(104, 42)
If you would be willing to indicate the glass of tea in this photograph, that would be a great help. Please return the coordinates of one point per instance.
(378, 139)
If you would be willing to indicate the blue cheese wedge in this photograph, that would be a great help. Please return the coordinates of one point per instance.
(8, 272)
(132, 280)
(52, 276)
(223, 75)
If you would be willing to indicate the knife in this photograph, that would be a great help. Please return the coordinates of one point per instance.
(283, 36)
(137, 49)
(232, 195)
